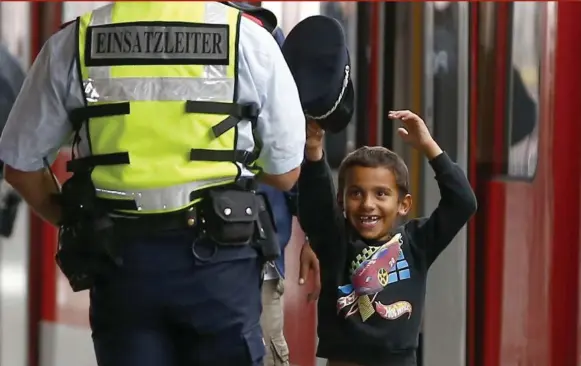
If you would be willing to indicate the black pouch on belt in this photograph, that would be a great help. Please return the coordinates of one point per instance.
(267, 238)
(231, 216)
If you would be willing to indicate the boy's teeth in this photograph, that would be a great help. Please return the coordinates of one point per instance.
(369, 218)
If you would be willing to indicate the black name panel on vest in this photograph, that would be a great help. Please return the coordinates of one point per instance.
(157, 43)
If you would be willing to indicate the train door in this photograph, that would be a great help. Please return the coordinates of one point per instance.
(525, 250)
(445, 111)
(511, 48)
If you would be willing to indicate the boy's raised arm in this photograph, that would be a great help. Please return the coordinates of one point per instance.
(319, 213)
(457, 203)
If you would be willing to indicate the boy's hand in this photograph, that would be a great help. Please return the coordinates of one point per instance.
(310, 269)
(314, 143)
(416, 133)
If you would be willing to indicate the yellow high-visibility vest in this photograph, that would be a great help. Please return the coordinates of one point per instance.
(160, 83)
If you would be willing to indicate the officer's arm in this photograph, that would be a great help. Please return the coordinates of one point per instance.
(283, 182)
(281, 123)
(38, 124)
(37, 189)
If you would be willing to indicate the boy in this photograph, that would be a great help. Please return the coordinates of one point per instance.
(373, 273)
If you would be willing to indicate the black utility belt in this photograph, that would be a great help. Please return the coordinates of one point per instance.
(227, 216)
(88, 247)
(147, 224)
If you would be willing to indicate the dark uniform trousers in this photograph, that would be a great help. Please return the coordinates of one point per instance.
(167, 307)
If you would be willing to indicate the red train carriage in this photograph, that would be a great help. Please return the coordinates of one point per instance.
(526, 158)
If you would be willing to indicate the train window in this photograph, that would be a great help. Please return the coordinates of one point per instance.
(445, 72)
(523, 85)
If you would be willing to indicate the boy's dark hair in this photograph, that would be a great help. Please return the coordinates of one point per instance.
(376, 157)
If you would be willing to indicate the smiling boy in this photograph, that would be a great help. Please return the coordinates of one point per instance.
(373, 272)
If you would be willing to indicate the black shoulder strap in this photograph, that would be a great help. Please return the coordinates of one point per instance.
(64, 25)
(268, 19)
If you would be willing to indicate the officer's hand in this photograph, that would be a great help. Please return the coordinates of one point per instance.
(310, 267)
(314, 143)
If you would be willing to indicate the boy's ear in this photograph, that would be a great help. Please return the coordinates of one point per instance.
(340, 200)
(405, 205)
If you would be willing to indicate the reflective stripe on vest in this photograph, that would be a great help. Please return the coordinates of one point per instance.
(160, 125)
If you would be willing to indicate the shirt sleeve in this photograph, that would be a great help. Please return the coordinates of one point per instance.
(280, 130)
(38, 123)
(321, 217)
(457, 205)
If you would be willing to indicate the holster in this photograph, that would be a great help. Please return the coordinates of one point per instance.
(87, 247)
(86, 253)
(235, 217)
(268, 244)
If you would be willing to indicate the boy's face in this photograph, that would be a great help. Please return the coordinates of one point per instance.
(371, 201)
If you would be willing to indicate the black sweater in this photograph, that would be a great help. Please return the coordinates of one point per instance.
(382, 327)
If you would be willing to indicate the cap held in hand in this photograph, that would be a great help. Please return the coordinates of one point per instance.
(317, 55)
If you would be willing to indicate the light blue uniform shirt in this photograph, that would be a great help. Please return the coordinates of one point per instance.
(38, 124)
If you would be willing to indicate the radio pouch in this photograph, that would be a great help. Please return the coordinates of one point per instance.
(231, 216)
(267, 239)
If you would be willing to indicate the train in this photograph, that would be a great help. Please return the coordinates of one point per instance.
(499, 86)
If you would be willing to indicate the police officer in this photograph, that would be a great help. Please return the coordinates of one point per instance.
(163, 100)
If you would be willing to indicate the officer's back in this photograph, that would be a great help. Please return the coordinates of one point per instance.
(163, 100)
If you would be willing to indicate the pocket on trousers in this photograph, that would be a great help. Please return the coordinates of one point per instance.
(280, 351)
(255, 346)
(207, 252)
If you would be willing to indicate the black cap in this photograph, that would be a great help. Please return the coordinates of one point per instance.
(317, 55)
(267, 17)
